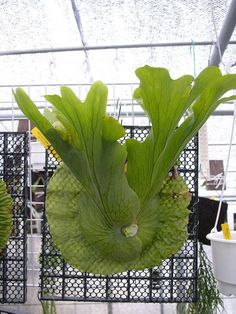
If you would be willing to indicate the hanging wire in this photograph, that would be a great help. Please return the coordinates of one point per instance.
(51, 64)
(116, 61)
(232, 129)
(193, 54)
(192, 51)
(12, 113)
(210, 51)
(226, 170)
(82, 37)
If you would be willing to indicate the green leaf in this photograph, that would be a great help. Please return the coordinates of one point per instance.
(5, 215)
(108, 124)
(166, 101)
(107, 204)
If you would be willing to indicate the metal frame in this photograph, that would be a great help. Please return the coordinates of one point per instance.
(109, 47)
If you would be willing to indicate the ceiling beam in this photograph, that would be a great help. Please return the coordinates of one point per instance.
(106, 47)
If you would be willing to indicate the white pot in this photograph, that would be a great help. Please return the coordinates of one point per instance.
(224, 261)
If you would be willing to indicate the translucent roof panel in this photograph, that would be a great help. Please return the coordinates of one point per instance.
(38, 24)
(43, 23)
(136, 21)
(28, 24)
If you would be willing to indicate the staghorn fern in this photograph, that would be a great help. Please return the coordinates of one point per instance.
(5, 215)
(103, 217)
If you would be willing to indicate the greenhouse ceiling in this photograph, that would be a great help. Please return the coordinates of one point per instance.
(37, 37)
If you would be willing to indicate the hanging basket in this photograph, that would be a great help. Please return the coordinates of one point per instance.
(224, 258)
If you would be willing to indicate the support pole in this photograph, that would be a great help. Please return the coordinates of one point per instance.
(225, 35)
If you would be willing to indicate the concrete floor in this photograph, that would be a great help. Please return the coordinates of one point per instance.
(33, 306)
(105, 309)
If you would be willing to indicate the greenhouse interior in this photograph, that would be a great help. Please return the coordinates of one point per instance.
(117, 157)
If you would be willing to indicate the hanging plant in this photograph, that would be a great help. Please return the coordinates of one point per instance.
(209, 300)
(5, 215)
(107, 216)
(48, 307)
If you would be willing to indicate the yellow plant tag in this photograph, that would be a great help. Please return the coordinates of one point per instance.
(226, 231)
(46, 144)
(40, 137)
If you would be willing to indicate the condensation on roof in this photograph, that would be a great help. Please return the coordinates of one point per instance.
(36, 24)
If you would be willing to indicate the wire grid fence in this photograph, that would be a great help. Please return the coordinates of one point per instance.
(175, 280)
(13, 170)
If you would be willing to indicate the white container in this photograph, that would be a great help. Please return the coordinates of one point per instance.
(37, 156)
(224, 261)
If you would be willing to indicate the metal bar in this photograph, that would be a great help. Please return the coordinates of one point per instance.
(225, 35)
(109, 106)
(7, 117)
(220, 144)
(64, 83)
(106, 47)
(3, 299)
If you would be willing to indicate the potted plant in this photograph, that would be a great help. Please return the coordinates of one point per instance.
(224, 257)
(113, 207)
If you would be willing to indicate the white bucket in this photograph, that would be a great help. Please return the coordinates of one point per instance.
(224, 261)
